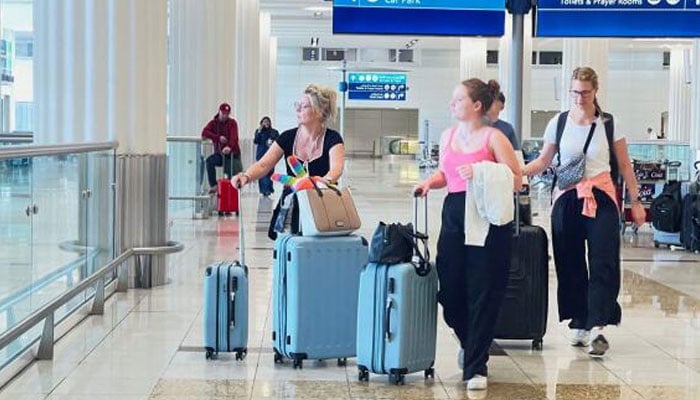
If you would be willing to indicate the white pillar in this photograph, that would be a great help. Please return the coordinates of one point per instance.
(505, 46)
(584, 53)
(472, 58)
(268, 67)
(695, 98)
(679, 97)
(202, 62)
(100, 73)
(100, 70)
(246, 77)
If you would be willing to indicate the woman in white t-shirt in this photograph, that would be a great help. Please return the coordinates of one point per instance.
(586, 214)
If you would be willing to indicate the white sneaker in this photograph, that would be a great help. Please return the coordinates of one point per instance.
(460, 358)
(598, 344)
(477, 382)
(579, 337)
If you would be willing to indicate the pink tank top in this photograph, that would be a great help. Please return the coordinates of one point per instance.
(452, 159)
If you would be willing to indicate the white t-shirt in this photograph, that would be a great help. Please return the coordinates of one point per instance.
(574, 138)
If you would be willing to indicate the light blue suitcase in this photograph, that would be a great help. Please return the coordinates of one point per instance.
(316, 280)
(397, 319)
(226, 309)
(225, 312)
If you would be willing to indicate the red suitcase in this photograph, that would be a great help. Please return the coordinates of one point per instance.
(228, 197)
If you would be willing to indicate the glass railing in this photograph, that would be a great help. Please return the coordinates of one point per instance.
(56, 229)
(187, 183)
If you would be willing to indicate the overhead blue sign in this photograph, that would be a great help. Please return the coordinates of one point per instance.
(371, 86)
(420, 17)
(618, 18)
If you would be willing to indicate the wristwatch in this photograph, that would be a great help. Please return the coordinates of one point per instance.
(638, 200)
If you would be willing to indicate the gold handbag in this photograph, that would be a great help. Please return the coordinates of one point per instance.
(327, 212)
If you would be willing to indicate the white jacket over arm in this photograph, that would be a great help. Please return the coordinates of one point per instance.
(489, 200)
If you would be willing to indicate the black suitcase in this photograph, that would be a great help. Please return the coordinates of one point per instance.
(690, 223)
(524, 309)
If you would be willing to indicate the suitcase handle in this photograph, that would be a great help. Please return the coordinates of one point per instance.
(241, 230)
(387, 320)
(421, 262)
(232, 310)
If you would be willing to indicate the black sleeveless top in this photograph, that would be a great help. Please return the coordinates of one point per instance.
(319, 166)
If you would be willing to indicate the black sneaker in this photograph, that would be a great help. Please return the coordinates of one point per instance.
(599, 345)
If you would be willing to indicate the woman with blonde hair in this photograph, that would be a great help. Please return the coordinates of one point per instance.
(585, 214)
(320, 148)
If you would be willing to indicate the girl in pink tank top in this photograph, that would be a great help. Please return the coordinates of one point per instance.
(452, 160)
(472, 278)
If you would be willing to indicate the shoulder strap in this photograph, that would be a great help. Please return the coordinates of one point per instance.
(561, 124)
(610, 134)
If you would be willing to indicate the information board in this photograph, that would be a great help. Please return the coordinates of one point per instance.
(420, 17)
(618, 18)
(373, 86)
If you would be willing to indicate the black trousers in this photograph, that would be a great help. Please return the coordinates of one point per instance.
(472, 283)
(587, 292)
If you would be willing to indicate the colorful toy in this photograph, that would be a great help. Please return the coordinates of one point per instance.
(302, 180)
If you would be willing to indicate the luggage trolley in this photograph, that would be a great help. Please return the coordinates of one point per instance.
(648, 174)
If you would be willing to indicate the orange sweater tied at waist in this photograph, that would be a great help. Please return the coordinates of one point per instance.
(584, 190)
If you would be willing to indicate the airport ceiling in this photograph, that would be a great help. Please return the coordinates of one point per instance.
(295, 22)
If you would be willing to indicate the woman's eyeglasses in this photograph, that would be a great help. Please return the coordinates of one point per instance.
(301, 106)
(582, 93)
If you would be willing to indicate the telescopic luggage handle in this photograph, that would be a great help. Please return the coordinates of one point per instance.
(423, 269)
(241, 227)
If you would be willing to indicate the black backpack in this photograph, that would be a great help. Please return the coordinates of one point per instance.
(667, 208)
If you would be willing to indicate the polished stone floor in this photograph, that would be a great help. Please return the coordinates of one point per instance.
(148, 343)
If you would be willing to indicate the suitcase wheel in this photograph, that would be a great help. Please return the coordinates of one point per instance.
(240, 355)
(363, 374)
(298, 364)
(396, 379)
(429, 373)
(221, 213)
(656, 244)
(537, 344)
(209, 355)
(342, 362)
(278, 357)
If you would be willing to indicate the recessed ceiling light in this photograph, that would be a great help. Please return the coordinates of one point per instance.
(321, 9)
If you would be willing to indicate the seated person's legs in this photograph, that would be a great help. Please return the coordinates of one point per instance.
(212, 162)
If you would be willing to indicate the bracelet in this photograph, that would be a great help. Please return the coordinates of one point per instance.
(636, 202)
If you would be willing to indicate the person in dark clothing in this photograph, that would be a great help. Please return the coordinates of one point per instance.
(222, 130)
(320, 148)
(493, 113)
(265, 135)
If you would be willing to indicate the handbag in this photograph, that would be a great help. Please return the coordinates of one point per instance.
(396, 244)
(327, 211)
(572, 172)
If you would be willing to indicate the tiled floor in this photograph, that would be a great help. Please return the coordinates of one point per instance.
(148, 344)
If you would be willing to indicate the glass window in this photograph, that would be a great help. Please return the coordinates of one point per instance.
(23, 116)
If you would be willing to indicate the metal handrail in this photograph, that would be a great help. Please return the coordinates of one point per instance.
(44, 281)
(194, 139)
(10, 152)
(46, 312)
